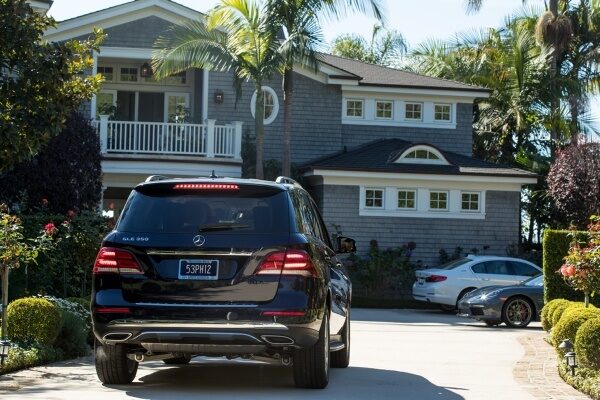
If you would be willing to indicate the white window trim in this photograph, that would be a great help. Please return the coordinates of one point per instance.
(478, 202)
(443, 121)
(441, 159)
(415, 191)
(364, 198)
(391, 118)
(345, 109)
(275, 112)
(113, 80)
(431, 191)
(406, 103)
(166, 101)
(113, 92)
(140, 81)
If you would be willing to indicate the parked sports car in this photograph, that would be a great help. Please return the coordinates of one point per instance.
(516, 305)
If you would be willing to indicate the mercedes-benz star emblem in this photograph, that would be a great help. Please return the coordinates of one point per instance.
(199, 240)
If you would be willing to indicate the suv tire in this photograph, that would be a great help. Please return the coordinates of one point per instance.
(311, 365)
(341, 358)
(112, 365)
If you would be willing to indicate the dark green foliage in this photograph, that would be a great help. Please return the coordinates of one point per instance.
(66, 270)
(571, 320)
(573, 183)
(586, 380)
(272, 168)
(444, 257)
(556, 247)
(548, 310)
(33, 319)
(587, 344)
(559, 311)
(73, 337)
(66, 175)
(31, 355)
(40, 82)
(382, 270)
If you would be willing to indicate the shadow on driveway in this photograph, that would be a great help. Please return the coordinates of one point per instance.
(229, 381)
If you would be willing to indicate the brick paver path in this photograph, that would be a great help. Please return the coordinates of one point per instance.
(537, 371)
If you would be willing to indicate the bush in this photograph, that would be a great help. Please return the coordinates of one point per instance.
(33, 319)
(555, 248)
(32, 355)
(569, 323)
(67, 172)
(587, 343)
(558, 312)
(76, 328)
(548, 310)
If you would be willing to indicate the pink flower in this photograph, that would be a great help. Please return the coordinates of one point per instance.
(50, 229)
(71, 214)
(569, 271)
(44, 201)
(563, 270)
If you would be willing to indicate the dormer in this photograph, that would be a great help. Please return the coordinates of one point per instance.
(422, 154)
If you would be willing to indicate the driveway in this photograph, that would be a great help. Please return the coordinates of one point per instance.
(396, 354)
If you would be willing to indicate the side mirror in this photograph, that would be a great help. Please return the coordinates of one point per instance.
(345, 245)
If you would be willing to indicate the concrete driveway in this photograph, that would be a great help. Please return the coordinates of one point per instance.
(396, 354)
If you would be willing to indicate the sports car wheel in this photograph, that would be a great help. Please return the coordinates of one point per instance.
(517, 312)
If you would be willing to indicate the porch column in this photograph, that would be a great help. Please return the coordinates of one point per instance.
(237, 139)
(204, 95)
(103, 134)
(94, 72)
(210, 138)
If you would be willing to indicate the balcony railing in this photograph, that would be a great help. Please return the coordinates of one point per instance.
(181, 139)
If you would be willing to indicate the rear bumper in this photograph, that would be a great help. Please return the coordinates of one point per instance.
(429, 294)
(208, 338)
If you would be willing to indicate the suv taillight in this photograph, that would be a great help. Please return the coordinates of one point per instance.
(290, 262)
(111, 260)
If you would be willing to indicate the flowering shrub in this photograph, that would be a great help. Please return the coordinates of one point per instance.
(582, 264)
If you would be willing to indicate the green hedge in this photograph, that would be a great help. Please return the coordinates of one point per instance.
(555, 248)
(587, 344)
(33, 319)
(548, 310)
(573, 317)
(31, 355)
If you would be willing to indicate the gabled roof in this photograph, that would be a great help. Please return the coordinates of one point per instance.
(379, 156)
(377, 75)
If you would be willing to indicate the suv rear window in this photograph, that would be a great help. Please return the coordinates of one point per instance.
(159, 209)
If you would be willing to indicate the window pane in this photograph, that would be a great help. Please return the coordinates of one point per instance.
(406, 199)
(105, 104)
(497, 267)
(523, 269)
(354, 108)
(413, 111)
(374, 198)
(128, 75)
(269, 104)
(384, 109)
(470, 201)
(107, 73)
(442, 112)
(438, 200)
(177, 108)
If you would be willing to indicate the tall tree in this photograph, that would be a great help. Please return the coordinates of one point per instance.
(236, 36)
(301, 22)
(41, 83)
(384, 48)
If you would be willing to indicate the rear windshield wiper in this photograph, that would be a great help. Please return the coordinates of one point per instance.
(221, 227)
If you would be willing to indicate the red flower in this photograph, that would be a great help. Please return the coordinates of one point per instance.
(50, 229)
(71, 214)
(44, 201)
(568, 271)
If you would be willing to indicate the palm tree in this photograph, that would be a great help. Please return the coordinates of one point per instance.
(384, 48)
(237, 36)
(301, 22)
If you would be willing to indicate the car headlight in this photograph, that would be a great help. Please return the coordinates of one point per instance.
(493, 293)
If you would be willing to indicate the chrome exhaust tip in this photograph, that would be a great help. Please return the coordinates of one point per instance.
(277, 340)
(116, 337)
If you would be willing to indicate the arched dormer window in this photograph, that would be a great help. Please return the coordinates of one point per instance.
(422, 154)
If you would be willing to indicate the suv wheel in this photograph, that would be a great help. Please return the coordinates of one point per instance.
(178, 360)
(311, 365)
(112, 365)
(341, 358)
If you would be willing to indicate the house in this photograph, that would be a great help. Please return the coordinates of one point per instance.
(386, 153)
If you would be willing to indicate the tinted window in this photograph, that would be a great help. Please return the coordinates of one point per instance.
(479, 268)
(497, 267)
(535, 281)
(455, 263)
(251, 210)
(523, 269)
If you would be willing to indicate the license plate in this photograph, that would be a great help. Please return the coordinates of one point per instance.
(201, 270)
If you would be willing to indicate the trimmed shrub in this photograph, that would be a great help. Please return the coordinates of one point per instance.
(548, 310)
(555, 248)
(85, 302)
(75, 329)
(558, 312)
(587, 343)
(20, 357)
(33, 319)
(569, 323)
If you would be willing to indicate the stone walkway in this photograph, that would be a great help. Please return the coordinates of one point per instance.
(537, 371)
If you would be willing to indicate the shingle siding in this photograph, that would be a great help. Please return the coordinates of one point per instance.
(499, 230)
(459, 140)
(141, 33)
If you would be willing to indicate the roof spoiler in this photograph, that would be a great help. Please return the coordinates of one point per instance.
(286, 180)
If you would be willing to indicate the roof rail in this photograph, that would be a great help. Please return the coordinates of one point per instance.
(286, 180)
(153, 178)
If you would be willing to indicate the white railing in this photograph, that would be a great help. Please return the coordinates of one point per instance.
(207, 140)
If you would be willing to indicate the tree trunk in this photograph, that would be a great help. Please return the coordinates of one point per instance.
(259, 124)
(5, 272)
(587, 300)
(574, 110)
(555, 102)
(288, 92)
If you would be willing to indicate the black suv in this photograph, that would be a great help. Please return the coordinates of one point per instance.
(221, 267)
